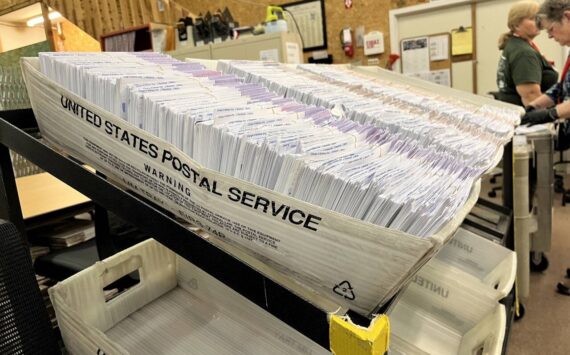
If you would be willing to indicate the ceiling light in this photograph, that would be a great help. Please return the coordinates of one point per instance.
(40, 19)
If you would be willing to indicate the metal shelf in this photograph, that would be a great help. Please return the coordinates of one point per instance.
(274, 298)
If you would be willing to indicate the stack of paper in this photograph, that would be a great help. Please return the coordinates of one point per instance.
(36, 251)
(44, 284)
(474, 133)
(411, 173)
(219, 134)
(66, 234)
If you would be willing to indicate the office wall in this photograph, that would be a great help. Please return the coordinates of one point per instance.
(491, 21)
(372, 14)
(17, 36)
(422, 24)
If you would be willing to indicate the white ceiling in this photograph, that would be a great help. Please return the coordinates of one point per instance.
(22, 15)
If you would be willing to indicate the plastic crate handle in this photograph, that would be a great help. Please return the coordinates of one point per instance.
(112, 273)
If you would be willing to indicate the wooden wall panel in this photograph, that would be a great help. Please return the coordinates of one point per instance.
(372, 14)
(107, 18)
(86, 15)
(114, 14)
(133, 14)
(97, 20)
(76, 15)
(97, 17)
(7, 6)
(144, 10)
(75, 39)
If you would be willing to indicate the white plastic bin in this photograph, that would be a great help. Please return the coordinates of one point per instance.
(474, 259)
(175, 309)
(439, 314)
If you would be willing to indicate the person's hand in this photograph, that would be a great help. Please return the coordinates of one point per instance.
(539, 116)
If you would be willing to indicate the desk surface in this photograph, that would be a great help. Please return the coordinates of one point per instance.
(40, 194)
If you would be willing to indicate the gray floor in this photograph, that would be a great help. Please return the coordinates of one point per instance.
(545, 327)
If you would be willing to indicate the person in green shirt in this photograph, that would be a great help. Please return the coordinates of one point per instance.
(523, 73)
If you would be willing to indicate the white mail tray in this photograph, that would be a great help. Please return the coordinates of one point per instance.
(472, 258)
(175, 309)
(372, 260)
(443, 315)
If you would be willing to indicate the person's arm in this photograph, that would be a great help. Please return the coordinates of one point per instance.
(526, 73)
(528, 92)
(535, 115)
(563, 110)
(543, 101)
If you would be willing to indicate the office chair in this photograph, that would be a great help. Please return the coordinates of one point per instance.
(25, 327)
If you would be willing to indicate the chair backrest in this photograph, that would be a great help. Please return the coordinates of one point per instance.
(25, 327)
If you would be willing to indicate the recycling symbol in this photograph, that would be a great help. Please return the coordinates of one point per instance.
(344, 289)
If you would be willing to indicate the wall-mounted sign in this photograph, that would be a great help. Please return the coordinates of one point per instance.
(373, 43)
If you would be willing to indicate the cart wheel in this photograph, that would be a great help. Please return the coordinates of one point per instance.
(538, 261)
(563, 289)
(492, 193)
(522, 311)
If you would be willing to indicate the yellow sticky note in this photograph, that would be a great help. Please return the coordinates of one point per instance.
(462, 41)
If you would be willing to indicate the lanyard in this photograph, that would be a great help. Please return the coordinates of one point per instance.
(535, 47)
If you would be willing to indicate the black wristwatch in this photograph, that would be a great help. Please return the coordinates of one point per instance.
(553, 113)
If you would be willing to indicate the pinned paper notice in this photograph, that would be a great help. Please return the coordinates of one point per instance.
(462, 41)
(415, 55)
(441, 77)
(439, 47)
(292, 53)
(269, 54)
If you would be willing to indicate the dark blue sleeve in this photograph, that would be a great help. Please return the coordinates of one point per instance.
(554, 92)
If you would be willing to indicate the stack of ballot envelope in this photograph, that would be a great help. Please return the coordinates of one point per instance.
(321, 150)
(379, 162)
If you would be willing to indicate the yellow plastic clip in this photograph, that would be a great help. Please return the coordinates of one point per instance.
(348, 338)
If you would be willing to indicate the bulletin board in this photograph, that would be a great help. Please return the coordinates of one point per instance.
(309, 17)
(428, 57)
